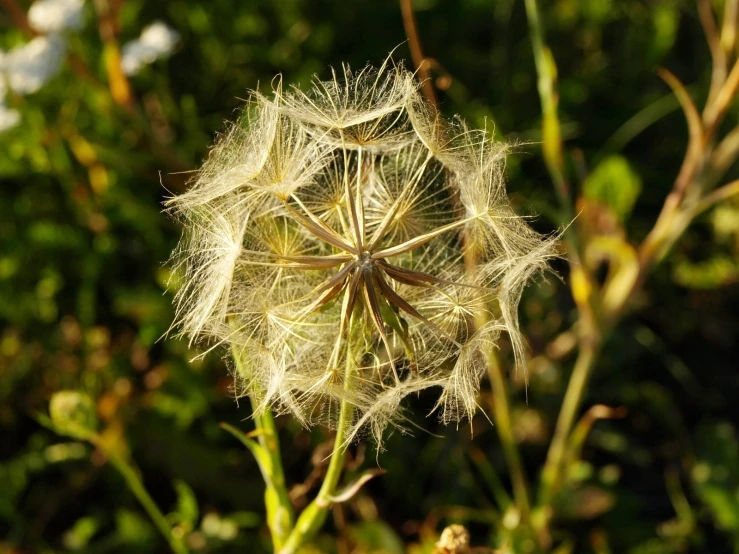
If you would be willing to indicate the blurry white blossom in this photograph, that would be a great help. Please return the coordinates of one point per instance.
(29, 67)
(157, 41)
(9, 118)
(54, 16)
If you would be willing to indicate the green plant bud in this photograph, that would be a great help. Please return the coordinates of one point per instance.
(73, 414)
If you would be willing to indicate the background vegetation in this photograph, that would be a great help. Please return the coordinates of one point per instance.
(85, 300)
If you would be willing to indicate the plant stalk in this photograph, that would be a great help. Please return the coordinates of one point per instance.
(414, 43)
(551, 134)
(502, 415)
(133, 481)
(552, 472)
(314, 515)
(280, 514)
(277, 503)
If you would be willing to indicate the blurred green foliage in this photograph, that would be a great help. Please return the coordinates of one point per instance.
(85, 290)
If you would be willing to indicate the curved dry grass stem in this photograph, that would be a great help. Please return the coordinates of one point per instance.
(703, 165)
(414, 43)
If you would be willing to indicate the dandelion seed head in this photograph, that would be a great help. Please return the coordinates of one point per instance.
(327, 240)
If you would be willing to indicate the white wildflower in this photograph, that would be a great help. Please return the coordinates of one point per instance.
(29, 67)
(55, 16)
(157, 41)
(328, 241)
(9, 118)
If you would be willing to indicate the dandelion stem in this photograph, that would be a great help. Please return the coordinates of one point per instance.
(276, 498)
(314, 516)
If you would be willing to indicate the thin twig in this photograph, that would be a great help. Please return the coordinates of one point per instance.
(120, 89)
(723, 155)
(718, 74)
(18, 16)
(653, 246)
(728, 29)
(581, 281)
(414, 43)
(551, 135)
(552, 473)
(714, 197)
(715, 112)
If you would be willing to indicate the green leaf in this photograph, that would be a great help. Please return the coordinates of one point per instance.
(665, 21)
(716, 474)
(187, 511)
(615, 184)
(247, 520)
(261, 456)
(78, 537)
(709, 274)
(133, 528)
(375, 537)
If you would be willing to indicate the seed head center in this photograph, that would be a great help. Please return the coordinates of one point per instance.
(365, 260)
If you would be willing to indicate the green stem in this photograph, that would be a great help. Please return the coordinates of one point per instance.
(490, 475)
(314, 515)
(552, 149)
(502, 415)
(277, 503)
(276, 498)
(551, 135)
(552, 146)
(133, 481)
(552, 473)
